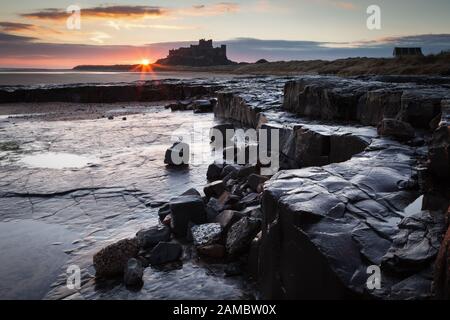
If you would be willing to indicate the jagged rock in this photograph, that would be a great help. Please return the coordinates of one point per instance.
(216, 251)
(180, 105)
(323, 227)
(233, 269)
(133, 273)
(204, 106)
(185, 209)
(206, 234)
(214, 189)
(216, 206)
(112, 260)
(439, 147)
(253, 257)
(167, 221)
(441, 284)
(164, 211)
(191, 192)
(227, 218)
(396, 129)
(149, 238)
(254, 181)
(241, 234)
(214, 171)
(165, 252)
(251, 199)
(177, 155)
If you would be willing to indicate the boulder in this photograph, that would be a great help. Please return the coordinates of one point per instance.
(165, 252)
(204, 106)
(214, 171)
(241, 234)
(396, 129)
(206, 234)
(164, 211)
(213, 208)
(227, 218)
(133, 273)
(439, 149)
(177, 155)
(191, 192)
(185, 209)
(216, 251)
(112, 260)
(254, 181)
(214, 189)
(148, 238)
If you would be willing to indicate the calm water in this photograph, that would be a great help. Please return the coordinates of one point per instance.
(72, 77)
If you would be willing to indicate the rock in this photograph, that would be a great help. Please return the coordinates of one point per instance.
(204, 106)
(167, 220)
(214, 189)
(185, 209)
(233, 269)
(216, 251)
(241, 234)
(441, 283)
(439, 147)
(180, 105)
(254, 181)
(191, 192)
(149, 238)
(177, 155)
(112, 260)
(165, 252)
(133, 273)
(164, 211)
(396, 129)
(206, 234)
(251, 199)
(110, 117)
(213, 208)
(247, 170)
(227, 218)
(253, 257)
(214, 171)
(124, 119)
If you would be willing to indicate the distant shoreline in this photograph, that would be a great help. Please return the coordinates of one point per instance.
(437, 65)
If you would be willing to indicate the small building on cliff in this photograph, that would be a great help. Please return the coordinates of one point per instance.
(201, 55)
(401, 52)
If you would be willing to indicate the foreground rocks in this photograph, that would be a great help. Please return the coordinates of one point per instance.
(112, 260)
(133, 273)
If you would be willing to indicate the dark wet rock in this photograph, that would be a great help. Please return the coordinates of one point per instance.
(164, 211)
(233, 269)
(110, 117)
(185, 209)
(124, 118)
(215, 206)
(214, 171)
(165, 252)
(439, 148)
(204, 106)
(167, 221)
(180, 105)
(206, 234)
(177, 155)
(254, 181)
(241, 234)
(216, 251)
(323, 227)
(133, 273)
(112, 260)
(441, 283)
(251, 199)
(417, 243)
(214, 189)
(396, 129)
(227, 218)
(247, 170)
(191, 192)
(368, 102)
(253, 257)
(149, 238)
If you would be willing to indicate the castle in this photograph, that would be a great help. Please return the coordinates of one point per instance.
(201, 55)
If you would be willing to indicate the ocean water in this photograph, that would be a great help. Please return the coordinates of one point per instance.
(11, 78)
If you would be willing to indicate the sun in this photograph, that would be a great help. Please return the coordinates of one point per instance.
(145, 62)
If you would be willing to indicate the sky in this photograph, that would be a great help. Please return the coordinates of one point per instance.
(35, 34)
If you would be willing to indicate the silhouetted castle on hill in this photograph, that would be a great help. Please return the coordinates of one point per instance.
(201, 55)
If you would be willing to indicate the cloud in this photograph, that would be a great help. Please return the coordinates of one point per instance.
(119, 25)
(6, 38)
(99, 37)
(14, 26)
(100, 12)
(346, 5)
